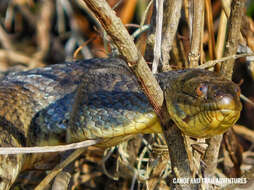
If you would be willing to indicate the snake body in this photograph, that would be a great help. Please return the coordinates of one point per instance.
(36, 105)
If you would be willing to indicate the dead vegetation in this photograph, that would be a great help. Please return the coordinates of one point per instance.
(191, 33)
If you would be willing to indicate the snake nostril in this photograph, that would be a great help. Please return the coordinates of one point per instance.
(225, 101)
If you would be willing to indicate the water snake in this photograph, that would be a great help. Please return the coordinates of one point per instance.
(35, 107)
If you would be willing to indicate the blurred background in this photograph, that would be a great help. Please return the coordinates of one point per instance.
(35, 32)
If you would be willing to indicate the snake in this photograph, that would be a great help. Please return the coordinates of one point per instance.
(36, 106)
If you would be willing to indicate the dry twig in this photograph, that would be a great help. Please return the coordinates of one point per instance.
(244, 132)
(158, 34)
(44, 149)
(209, 19)
(171, 18)
(212, 63)
(196, 33)
(221, 36)
(235, 19)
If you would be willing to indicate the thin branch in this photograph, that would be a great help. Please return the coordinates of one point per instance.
(44, 149)
(158, 34)
(196, 33)
(44, 27)
(209, 21)
(117, 4)
(142, 22)
(221, 36)
(140, 30)
(234, 25)
(244, 98)
(146, 18)
(209, 64)
(244, 132)
(43, 32)
(171, 18)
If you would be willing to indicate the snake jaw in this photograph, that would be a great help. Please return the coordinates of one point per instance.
(203, 124)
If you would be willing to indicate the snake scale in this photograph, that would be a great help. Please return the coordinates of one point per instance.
(35, 107)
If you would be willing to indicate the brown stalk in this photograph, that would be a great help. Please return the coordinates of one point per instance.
(158, 35)
(211, 155)
(146, 17)
(198, 10)
(186, 5)
(172, 13)
(244, 132)
(43, 29)
(128, 11)
(234, 25)
(209, 20)
(221, 35)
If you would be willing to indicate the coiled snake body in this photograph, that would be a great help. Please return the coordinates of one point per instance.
(35, 107)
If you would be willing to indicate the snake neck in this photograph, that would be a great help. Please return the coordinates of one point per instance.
(169, 79)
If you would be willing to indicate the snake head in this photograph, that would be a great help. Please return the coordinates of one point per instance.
(203, 103)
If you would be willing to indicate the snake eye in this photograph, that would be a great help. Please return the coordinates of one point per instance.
(201, 90)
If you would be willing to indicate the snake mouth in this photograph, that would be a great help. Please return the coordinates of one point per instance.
(206, 120)
(228, 111)
(224, 112)
(206, 124)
